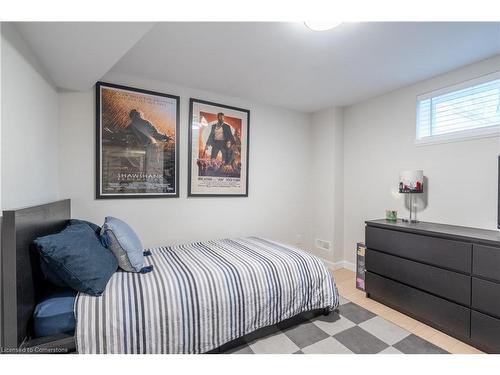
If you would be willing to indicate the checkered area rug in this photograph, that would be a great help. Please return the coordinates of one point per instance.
(352, 329)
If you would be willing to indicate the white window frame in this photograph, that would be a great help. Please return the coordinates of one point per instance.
(485, 132)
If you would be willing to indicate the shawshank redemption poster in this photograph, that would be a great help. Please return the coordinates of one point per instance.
(138, 141)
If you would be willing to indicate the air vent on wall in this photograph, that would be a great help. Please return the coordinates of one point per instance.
(323, 245)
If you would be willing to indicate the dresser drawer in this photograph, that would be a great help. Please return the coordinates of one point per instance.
(455, 255)
(486, 296)
(437, 312)
(486, 262)
(448, 284)
(485, 332)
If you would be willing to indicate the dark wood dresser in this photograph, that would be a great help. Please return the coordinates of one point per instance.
(445, 276)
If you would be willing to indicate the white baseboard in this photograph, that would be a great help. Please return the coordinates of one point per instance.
(349, 265)
(338, 265)
(332, 265)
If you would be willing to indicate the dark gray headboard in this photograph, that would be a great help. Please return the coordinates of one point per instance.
(20, 273)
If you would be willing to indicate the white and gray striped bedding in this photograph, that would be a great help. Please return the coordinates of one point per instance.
(201, 296)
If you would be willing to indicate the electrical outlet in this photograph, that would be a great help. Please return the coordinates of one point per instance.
(323, 244)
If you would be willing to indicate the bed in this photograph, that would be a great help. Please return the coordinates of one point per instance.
(203, 297)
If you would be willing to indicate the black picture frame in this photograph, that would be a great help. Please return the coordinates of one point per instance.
(190, 148)
(98, 156)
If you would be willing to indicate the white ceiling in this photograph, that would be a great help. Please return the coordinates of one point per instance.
(77, 54)
(283, 64)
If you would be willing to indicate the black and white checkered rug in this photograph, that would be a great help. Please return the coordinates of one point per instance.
(352, 329)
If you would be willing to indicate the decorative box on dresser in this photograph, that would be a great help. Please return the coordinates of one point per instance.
(443, 275)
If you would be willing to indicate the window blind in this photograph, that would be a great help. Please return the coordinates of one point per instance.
(460, 110)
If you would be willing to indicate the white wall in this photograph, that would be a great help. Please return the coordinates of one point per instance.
(327, 182)
(279, 191)
(316, 176)
(29, 129)
(379, 143)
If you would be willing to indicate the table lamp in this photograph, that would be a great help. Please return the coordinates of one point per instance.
(411, 182)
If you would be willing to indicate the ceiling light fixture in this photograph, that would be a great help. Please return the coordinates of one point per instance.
(321, 25)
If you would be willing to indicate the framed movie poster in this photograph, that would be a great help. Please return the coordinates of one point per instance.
(218, 150)
(137, 143)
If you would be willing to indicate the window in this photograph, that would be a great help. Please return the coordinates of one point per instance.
(467, 110)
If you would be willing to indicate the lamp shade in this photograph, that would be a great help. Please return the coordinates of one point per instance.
(411, 181)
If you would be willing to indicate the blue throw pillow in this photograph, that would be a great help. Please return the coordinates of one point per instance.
(118, 237)
(96, 228)
(52, 277)
(55, 313)
(76, 258)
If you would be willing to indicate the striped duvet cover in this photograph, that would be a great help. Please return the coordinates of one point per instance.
(201, 296)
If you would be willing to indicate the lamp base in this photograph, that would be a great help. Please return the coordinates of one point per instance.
(412, 221)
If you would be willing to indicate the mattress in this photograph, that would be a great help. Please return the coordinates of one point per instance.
(201, 296)
(55, 313)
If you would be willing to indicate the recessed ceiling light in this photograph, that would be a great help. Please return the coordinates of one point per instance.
(321, 25)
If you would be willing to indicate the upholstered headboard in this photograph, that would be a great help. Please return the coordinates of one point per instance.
(20, 273)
